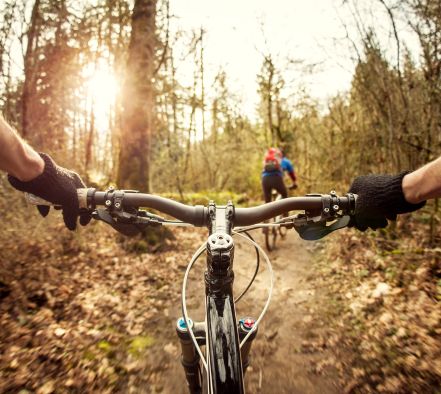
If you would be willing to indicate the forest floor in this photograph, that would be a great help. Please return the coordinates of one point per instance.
(81, 313)
(89, 312)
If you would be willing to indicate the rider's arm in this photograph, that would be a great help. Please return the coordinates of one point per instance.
(38, 174)
(16, 157)
(382, 197)
(423, 183)
(289, 168)
(292, 175)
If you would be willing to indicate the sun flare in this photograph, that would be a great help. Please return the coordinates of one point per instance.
(102, 91)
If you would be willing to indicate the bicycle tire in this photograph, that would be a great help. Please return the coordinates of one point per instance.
(225, 365)
(271, 232)
(270, 238)
(204, 382)
(282, 232)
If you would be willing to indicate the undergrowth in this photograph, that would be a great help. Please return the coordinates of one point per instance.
(388, 285)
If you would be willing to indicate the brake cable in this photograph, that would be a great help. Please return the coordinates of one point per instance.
(255, 272)
(270, 290)
(185, 315)
(195, 256)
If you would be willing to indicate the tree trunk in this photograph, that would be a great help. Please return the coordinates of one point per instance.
(137, 116)
(29, 70)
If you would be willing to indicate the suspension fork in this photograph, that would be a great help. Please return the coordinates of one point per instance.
(190, 359)
(245, 326)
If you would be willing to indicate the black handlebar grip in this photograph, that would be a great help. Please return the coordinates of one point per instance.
(200, 216)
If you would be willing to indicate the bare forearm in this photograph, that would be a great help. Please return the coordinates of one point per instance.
(424, 183)
(16, 157)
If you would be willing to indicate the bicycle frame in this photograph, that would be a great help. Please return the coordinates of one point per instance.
(226, 362)
(225, 374)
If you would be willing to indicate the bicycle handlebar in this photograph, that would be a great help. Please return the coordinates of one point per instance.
(198, 215)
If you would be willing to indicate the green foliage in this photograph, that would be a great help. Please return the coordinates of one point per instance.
(150, 240)
(363, 273)
(203, 198)
(139, 344)
(104, 346)
(89, 355)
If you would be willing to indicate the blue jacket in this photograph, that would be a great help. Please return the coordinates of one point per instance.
(286, 166)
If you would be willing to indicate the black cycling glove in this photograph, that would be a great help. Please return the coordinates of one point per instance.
(380, 197)
(58, 186)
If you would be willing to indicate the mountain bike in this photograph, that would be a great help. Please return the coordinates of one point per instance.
(227, 341)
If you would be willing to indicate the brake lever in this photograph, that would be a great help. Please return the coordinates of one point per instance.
(311, 231)
(129, 229)
(34, 200)
(127, 223)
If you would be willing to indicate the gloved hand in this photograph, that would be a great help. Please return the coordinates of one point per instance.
(58, 186)
(380, 197)
(293, 186)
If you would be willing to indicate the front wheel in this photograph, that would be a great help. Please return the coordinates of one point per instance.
(225, 373)
(270, 238)
(282, 232)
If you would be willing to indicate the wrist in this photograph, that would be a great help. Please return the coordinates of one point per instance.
(31, 166)
(411, 189)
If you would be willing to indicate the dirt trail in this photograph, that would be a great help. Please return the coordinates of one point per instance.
(289, 354)
(287, 357)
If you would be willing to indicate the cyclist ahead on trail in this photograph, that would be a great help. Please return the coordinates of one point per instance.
(275, 164)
